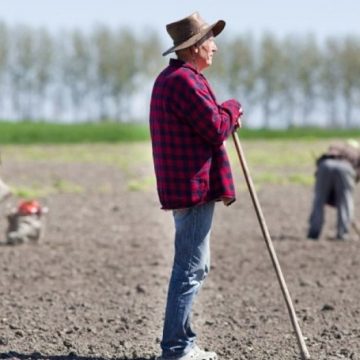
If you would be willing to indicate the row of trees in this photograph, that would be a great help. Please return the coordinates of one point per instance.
(294, 81)
(73, 75)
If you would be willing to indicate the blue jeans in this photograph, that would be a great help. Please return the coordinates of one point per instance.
(335, 177)
(190, 268)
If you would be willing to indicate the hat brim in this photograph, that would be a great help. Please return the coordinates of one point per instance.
(216, 29)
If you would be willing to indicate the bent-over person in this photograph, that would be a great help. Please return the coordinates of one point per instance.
(338, 170)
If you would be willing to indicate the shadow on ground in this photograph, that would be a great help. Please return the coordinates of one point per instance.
(38, 356)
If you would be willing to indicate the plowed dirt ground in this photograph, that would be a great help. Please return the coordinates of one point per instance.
(95, 286)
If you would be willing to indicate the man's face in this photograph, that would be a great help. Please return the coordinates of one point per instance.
(205, 53)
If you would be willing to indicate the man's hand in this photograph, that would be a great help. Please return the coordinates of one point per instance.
(241, 111)
(238, 121)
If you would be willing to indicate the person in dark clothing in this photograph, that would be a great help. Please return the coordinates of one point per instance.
(338, 170)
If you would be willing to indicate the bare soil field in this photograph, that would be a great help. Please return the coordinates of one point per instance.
(95, 286)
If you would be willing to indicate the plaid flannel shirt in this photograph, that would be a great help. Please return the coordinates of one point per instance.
(188, 128)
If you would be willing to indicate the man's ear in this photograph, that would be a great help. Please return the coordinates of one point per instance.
(194, 49)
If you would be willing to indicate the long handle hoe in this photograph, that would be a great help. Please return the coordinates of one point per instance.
(304, 352)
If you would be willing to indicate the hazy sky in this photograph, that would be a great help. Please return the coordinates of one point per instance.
(281, 17)
(323, 18)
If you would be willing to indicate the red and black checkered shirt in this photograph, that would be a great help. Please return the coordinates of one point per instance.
(188, 128)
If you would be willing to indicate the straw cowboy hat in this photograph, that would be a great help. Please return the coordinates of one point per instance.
(188, 31)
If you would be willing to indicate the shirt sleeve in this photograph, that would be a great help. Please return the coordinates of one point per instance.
(195, 104)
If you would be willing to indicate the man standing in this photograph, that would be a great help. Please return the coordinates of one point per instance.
(337, 172)
(188, 130)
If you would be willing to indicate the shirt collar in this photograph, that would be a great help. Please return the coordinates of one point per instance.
(181, 63)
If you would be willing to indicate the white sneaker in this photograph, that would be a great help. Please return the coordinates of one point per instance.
(4, 191)
(194, 354)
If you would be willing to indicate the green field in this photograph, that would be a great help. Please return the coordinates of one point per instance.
(276, 162)
(54, 133)
(274, 157)
(28, 132)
